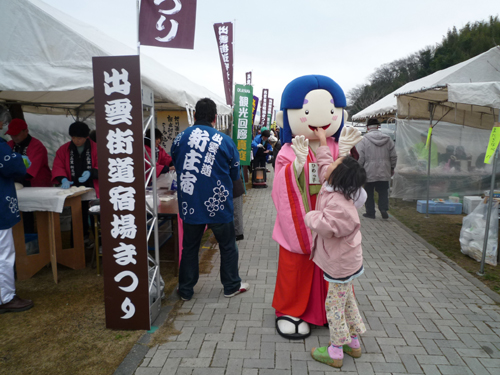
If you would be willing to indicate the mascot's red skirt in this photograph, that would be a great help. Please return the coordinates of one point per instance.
(300, 288)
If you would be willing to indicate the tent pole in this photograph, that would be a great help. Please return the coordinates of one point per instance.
(138, 17)
(431, 108)
(490, 205)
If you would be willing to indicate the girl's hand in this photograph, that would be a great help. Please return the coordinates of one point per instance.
(321, 134)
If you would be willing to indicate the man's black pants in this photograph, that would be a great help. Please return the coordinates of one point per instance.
(382, 188)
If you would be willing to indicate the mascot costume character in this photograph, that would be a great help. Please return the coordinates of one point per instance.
(307, 103)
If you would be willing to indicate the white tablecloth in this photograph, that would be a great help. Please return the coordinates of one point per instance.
(47, 198)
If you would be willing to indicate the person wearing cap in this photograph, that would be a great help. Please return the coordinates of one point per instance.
(261, 150)
(75, 164)
(377, 155)
(38, 174)
(11, 167)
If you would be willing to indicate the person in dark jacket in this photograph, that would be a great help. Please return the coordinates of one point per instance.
(261, 149)
(12, 166)
(377, 155)
(276, 145)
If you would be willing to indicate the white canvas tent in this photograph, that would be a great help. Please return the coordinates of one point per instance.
(482, 68)
(475, 105)
(46, 63)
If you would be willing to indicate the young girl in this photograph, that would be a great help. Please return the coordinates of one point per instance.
(337, 250)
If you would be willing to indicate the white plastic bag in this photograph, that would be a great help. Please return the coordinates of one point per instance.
(472, 233)
(165, 180)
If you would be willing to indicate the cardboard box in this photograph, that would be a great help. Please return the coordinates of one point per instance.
(471, 202)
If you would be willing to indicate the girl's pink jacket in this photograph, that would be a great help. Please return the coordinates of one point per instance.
(336, 227)
(290, 230)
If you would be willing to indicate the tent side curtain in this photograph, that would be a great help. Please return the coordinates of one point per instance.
(457, 160)
(485, 94)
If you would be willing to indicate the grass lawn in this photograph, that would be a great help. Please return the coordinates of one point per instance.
(65, 333)
(443, 232)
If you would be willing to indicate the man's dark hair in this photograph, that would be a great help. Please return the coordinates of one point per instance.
(205, 110)
(348, 177)
(372, 121)
(79, 129)
(266, 133)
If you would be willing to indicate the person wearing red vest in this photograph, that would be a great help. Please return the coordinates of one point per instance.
(38, 174)
(76, 164)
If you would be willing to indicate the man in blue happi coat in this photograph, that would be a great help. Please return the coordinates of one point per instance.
(12, 166)
(206, 162)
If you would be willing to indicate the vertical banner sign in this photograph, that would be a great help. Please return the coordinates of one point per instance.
(270, 107)
(248, 78)
(169, 24)
(263, 108)
(242, 129)
(254, 108)
(118, 114)
(224, 35)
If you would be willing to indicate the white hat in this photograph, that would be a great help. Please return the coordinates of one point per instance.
(273, 139)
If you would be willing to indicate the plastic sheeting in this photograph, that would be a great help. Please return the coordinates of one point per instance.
(457, 161)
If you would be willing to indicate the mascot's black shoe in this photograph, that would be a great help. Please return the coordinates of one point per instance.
(292, 336)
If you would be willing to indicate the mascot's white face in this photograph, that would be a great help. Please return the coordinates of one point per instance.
(318, 111)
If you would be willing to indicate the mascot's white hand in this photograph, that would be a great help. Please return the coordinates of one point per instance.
(300, 145)
(349, 137)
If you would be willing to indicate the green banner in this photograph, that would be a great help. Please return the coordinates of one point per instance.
(242, 129)
(493, 144)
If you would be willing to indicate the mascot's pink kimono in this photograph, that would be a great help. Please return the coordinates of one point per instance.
(307, 103)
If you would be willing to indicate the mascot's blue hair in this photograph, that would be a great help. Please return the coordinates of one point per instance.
(295, 92)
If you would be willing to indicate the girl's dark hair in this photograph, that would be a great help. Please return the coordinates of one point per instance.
(348, 177)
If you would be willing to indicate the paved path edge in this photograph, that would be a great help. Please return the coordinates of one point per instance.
(136, 355)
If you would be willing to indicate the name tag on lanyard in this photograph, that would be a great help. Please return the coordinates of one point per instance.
(313, 174)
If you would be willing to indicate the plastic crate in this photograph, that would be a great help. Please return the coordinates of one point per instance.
(446, 207)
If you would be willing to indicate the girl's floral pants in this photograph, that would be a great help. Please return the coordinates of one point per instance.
(342, 313)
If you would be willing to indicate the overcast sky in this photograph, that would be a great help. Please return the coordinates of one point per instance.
(279, 40)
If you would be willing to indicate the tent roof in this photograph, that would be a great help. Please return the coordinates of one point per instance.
(481, 68)
(46, 60)
(470, 104)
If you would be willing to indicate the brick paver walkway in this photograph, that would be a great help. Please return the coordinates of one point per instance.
(422, 315)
